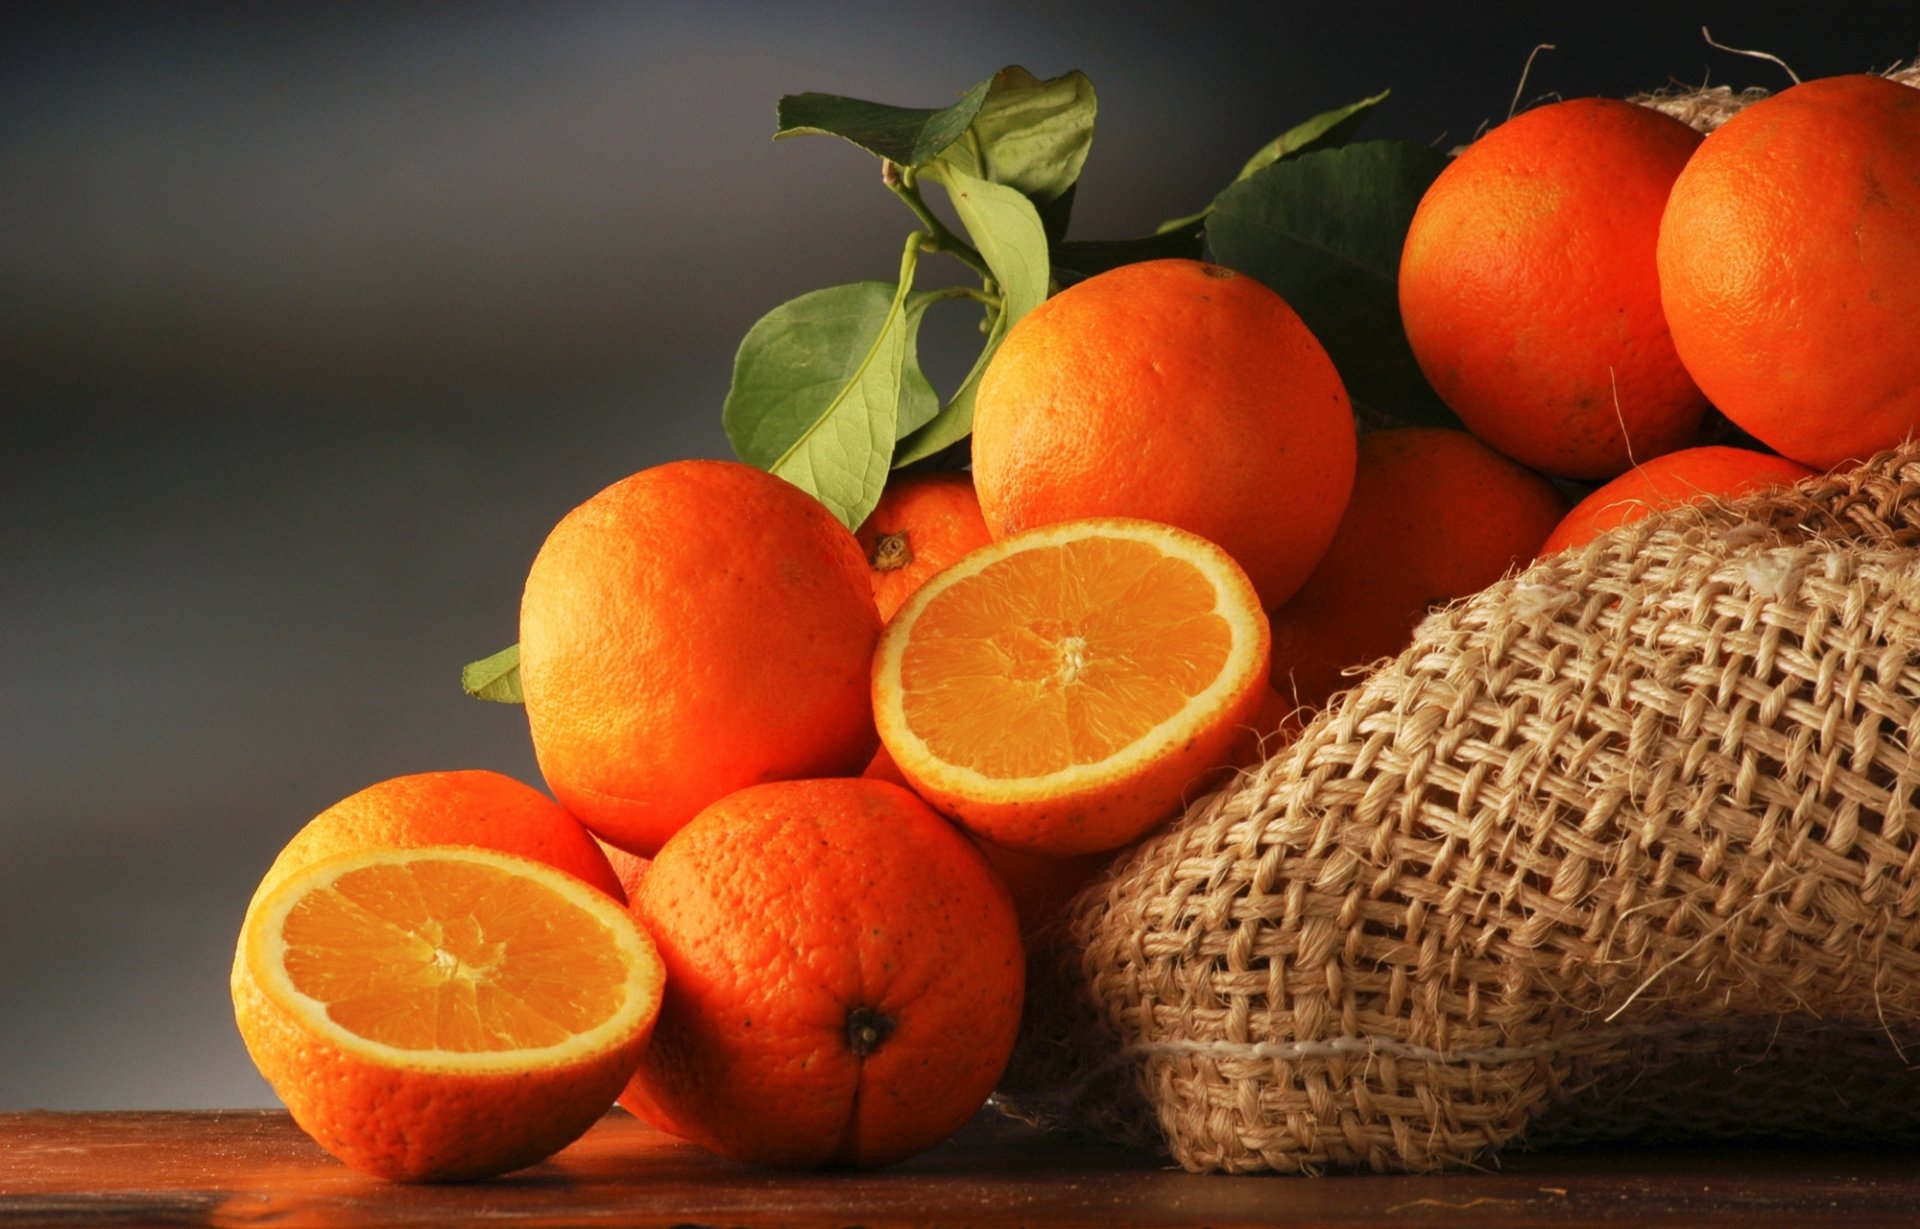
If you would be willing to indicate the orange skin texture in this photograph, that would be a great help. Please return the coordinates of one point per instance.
(410, 1126)
(693, 629)
(628, 868)
(1172, 391)
(1688, 476)
(789, 913)
(461, 807)
(1529, 293)
(1436, 515)
(1789, 263)
(1041, 884)
(933, 519)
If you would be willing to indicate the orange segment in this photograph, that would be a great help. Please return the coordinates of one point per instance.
(457, 956)
(443, 1011)
(1062, 689)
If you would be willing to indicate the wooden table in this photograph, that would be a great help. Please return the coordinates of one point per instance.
(256, 1168)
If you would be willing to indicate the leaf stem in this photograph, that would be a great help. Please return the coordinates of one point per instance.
(903, 183)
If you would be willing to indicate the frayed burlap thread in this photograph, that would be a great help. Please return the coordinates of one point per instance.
(1626, 843)
(1706, 107)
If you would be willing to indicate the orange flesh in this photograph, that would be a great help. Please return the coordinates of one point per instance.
(1061, 656)
(452, 956)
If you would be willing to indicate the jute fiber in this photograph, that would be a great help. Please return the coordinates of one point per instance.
(1625, 844)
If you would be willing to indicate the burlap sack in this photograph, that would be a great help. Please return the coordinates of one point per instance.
(1624, 844)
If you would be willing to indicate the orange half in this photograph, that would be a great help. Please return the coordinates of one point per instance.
(445, 1011)
(1066, 688)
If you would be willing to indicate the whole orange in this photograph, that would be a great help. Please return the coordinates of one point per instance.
(844, 976)
(462, 807)
(697, 627)
(923, 522)
(1436, 515)
(1789, 264)
(1172, 391)
(1529, 293)
(1687, 476)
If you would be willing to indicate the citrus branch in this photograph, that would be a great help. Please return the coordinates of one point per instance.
(902, 182)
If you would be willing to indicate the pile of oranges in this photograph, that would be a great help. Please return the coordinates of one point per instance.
(811, 785)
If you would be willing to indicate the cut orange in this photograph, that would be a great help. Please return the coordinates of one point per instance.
(443, 1012)
(1064, 689)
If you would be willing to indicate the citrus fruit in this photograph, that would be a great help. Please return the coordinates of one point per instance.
(1789, 263)
(628, 868)
(692, 629)
(1039, 883)
(923, 522)
(443, 1012)
(1687, 476)
(1173, 391)
(1436, 515)
(463, 807)
(1063, 689)
(1529, 292)
(844, 976)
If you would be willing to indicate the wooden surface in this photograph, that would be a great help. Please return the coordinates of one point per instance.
(255, 1168)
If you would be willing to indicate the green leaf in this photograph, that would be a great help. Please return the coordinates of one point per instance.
(919, 401)
(955, 420)
(1325, 230)
(1323, 131)
(1086, 257)
(1032, 136)
(910, 136)
(1006, 230)
(817, 388)
(495, 678)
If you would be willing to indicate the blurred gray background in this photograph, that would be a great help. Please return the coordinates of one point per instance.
(314, 320)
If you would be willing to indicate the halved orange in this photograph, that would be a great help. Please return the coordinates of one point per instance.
(443, 1012)
(1064, 689)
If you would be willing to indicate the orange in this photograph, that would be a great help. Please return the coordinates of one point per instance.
(465, 807)
(1064, 689)
(1789, 265)
(443, 1012)
(1688, 476)
(1529, 293)
(844, 977)
(628, 868)
(1172, 391)
(882, 768)
(923, 522)
(1040, 884)
(1436, 515)
(697, 627)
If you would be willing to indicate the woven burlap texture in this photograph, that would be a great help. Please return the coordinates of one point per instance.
(1624, 843)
